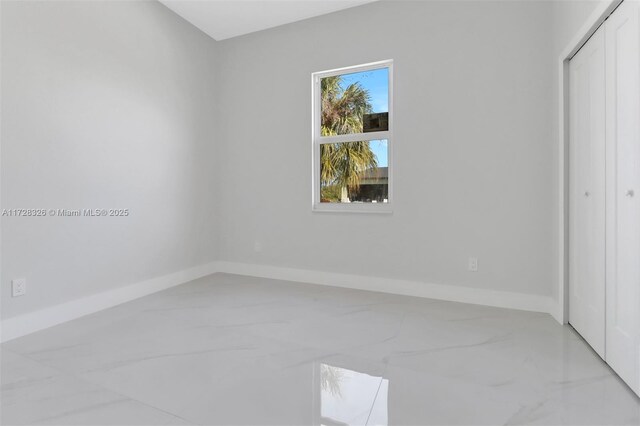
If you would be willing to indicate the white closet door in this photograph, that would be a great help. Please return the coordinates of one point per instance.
(587, 192)
(623, 192)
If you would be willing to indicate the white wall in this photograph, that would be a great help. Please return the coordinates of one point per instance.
(474, 169)
(104, 105)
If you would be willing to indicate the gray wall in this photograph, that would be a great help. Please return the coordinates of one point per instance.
(568, 18)
(104, 105)
(123, 104)
(473, 145)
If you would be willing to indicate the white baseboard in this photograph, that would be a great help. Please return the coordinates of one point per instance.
(22, 325)
(31, 322)
(452, 293)
(557, 311)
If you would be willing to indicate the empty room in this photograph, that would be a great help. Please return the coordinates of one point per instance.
(320, 212)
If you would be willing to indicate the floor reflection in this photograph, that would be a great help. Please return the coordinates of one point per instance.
(349, 397)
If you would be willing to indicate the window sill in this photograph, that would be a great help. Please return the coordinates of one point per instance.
(352, 208)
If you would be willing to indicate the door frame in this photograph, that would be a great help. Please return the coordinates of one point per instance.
(593, 22)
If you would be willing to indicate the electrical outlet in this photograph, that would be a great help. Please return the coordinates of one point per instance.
(473, 264)
(18, 287)
(257, 246)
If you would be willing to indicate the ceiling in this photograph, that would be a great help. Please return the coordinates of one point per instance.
(223, 19)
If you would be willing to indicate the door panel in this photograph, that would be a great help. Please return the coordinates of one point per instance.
(623, 193)
(587, 192)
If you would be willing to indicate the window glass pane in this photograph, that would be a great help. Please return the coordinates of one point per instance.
(354, 172)
(355, 103)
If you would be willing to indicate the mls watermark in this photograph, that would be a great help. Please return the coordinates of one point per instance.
(65, 212)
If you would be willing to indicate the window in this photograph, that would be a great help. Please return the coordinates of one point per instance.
(352, 138)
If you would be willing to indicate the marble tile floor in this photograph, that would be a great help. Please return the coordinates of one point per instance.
(228, 349)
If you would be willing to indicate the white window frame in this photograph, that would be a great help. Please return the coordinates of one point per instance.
(318, 140)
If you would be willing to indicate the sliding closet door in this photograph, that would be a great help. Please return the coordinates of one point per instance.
(587, 192)
(623, 192)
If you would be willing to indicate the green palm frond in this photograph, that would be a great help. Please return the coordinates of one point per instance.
(342, 113)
